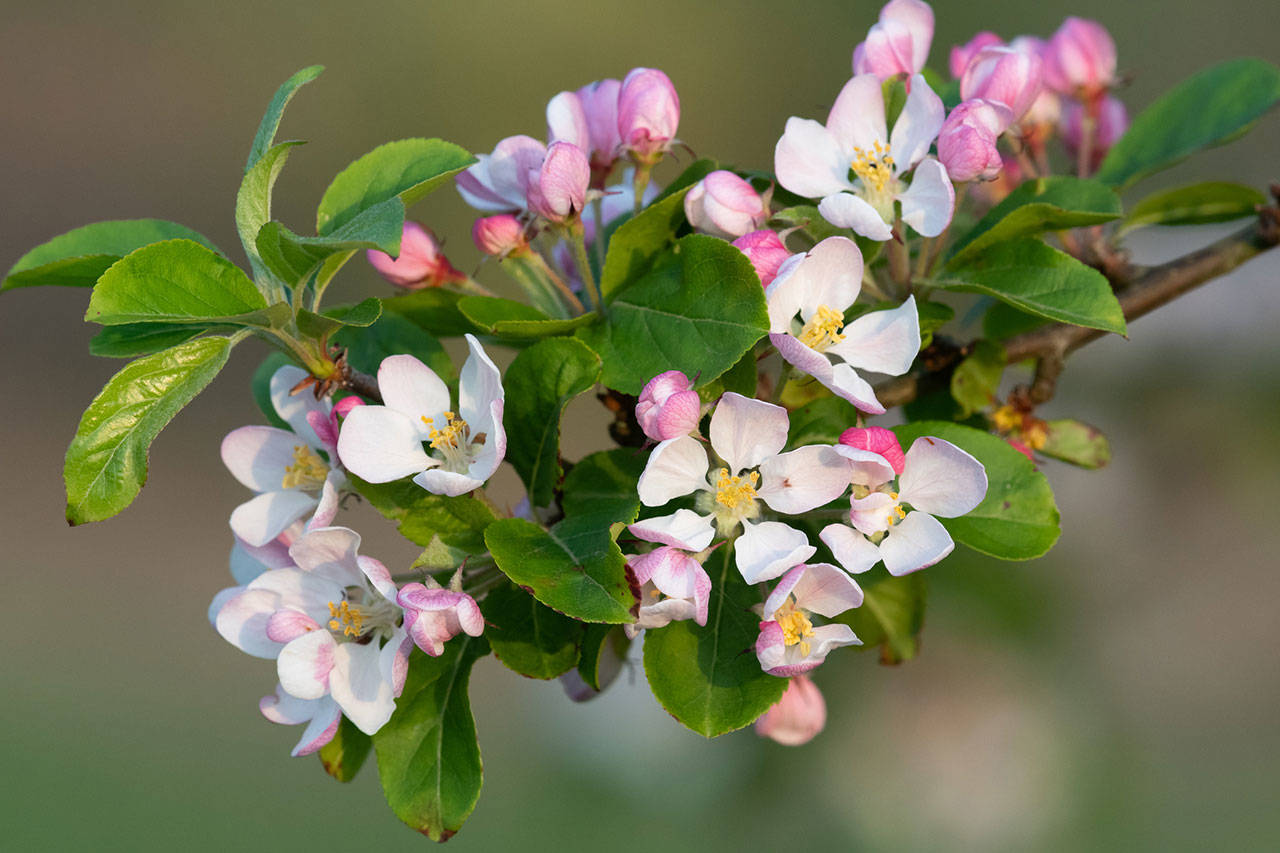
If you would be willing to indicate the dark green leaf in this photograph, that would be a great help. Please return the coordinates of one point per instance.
(106, 464)
(699, 310)
(1018, 519)
(976, 379)
(806, 218)
(343, 756)
(514, 321)
(604, 485)
(253, 203)
(391, 334)
(1077, 443)
(434, 310)
(428, 757)
(266, 135)
(1212, 201)
(1002, 321)
(408, 168)
(79, 257)
(425, 519)
(135, 339)
(821, 422)
(891, 615)
(637, 243)
(1209, 108)
(360, 315)
(933, 316)
(528, 637)
(292, 257)
(575, 567)
(708, 677)
(604, 648)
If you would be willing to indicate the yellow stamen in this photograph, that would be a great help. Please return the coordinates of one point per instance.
(1006, 419)
(795, 626)
(874, 168)
(307, 471)
(1034, 434)
(897, 513)
(455, 434)
(347, 619)
(823, 329)
(733, 492)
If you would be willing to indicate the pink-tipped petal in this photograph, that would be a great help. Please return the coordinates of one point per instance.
(745, 431)
(826, 590)
(797, 717)
(683, 529)
(877, 440)
(916, 542)
(305, 662)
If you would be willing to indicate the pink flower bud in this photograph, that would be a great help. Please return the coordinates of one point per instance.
(499, 235)
(766, 251)
(899, 43)
(558, 191)
(1080, 59)
(589, 119)
(724, 205)
(967, 141)
(433, 616)
(961, 54)
(421, 263)
(1004, 75)
(1111, 123)
(668, 406)
(648, 114)
(797, 717)
(877, 440)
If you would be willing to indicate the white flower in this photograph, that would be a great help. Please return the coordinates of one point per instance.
(789, 644)
(385, 443)
(938, 479)
(748, 435)
(819, 286)
(673, 584)
(814, 160)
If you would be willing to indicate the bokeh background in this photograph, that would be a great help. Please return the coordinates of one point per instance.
(1119, 693)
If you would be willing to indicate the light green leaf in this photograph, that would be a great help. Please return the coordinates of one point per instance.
(698, 310)
(540, 383)
(266, 135)
(891, 615)
(106, 464)
(1002, 321)
(408, 168)
(428, 757)
(1018, 519)
(1038, 279)
(292, 257)
(638, 242)
(360, 315)
(528, 637)
(1209, 108)
(1076, 443)
(976, 379)
(79, 257)
(1211, 201)
(343, 756)
(806, 218)
(253, 203)
(708, 677)
(604, 484)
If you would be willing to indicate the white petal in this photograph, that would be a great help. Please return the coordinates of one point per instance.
(856, 119)
(928, 203)
(803, 479)
(358, 686)
(219, 599)
(287, 710)
(378, 577)
(566, 121)
(829, 274)
(330, 553)
(768, 549)
(676, 467)
(257, 456)
(411, 388)
(867, 468)
(745, 432)
(674, 573)
(842, 379)
(916, 542)
(450, 483)
(808, 161)
(882, 341)
(305, 663)
(941, 479)
(826, 590)
(327, 508)
(293, 408)
(302, 590)
(379, 444)
(683, 529)
(917, 126)
(851, 549)
(873, 514)
(479, 385)
(846, 210)
(242, 622)
(262, 519)
(321, 729)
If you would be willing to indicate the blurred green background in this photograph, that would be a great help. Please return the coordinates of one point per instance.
(1119, 693)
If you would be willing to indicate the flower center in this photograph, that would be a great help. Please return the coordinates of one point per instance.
(307, 471)
(347, 619)
(453, 440)
(795, 626)
(823, 329)
(896, 512)
(874, 168)
(733, 492)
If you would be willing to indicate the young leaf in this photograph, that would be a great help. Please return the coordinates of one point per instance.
(977, 378)
(428, 757)
(698, 310)
(1037, 206)
(435, 310)
(638, 242)
(1038, 279)
(515, 321)
(135, 339)
(79, 257)
(408, 168)
(266, 135)
(575, 567)
(343, 756)
(604, 484)
(1076, 443)
(1018, 519)
(106, 464)
(540, 383)
(253, 203)
(891, 615)
(360, 315)
(391, 334)
(1211, 201)
(528, 637)
(293, 257)
(1209, 108)
(708, 677)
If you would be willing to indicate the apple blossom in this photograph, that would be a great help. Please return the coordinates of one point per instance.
(789, 644)
(819, 286)
(589, 119)
(1111, 123)
(421, 262)
(724, 205)
(384, 443)
(961, 54)
(766, 251)
(499, 235)
(673, 587)
(967, 141)
(499, 182)
(797, 717)
(877, 440)
(898, 43)
(898, 523)
(648, 114)
(668, 406)
(1080, 59)
(1003, 75)
(557, 189)
(433, 615)
(814, 160)
(322, 717)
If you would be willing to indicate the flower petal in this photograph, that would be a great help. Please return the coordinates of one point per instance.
(287, 625)
(242, 622)
(867, 468)
(855, 552)
(287, 710)
(882, 341)
(262, 519)
(305, 663)
(916, 542)
(856, 119)
(804, 479)
(358, 686)
(378, 577)
(917, 126)
(826, 590)
(768, 549)
(322, 728)
(941, 479)
(294, 408)
(829, 274)
(684, 529)
(330, 553)
(929, 202)
(379, 444)
(809, 161)
(676, 467)
(257, 456)
(840, 378)
(846, 210)
(411, 388)
(450, 483)
(745, 432)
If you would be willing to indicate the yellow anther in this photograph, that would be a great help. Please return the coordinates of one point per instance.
(307, 471)
(1006, 419)
(455, 434)
(896, 514)
(823, 329)
(733, 492)
(347, 619)
(874, 168)
(795, 626)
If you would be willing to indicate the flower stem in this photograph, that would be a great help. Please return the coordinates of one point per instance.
(639, 183)
(470, 285)
(578, 241)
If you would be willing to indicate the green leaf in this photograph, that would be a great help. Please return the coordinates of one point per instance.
(1076, 443)
(514, 321)
(604, 484)
(391, 334)
(135, 339)
(528, 637)
(1037, 206)
(1209, 108)
(604, 648)
(408, 169)
(821, 422)
(292, 257)
(540, 383)
(1002, 321)
(343, 756)
(806, 218)
(360, 315)
(79, 257)
(708, 677)
(434, 310)
(457, 523)
(1212, 201)
(106, 464)
(266, 135)
(574, 568)
(638, 243)
(253, 203)
(260, 386)
(891, 615)
(177, 281)
(1038, 279)
(698, 310)
(933, 316)
(976, 379)
(428, 757)
(1018, 519)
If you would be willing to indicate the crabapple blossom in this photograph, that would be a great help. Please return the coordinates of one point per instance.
(819, 286)
(789, 644)
(766, 251)
(1003, 75)
(557, 190)
(724, 205)
(384, 443)
(898, 524)
(967, 141)
(668, 406)
(433, 614)
(673, 584)
(797, 717)
(961, 54)
(814, 160)
(1080, 59)
(589, 119)
(648, 114)
(898, 43)
(421, 262)
(499, 182)
(322, 717)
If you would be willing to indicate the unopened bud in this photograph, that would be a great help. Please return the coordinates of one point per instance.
(898, 43)
(420, 264)
(1080, 59)
(499, 235)
(668, 406)
(877, 440)
(967, 141)
(648, 114)
(797, 717)
(963, 54)
(724, 205)
(1004, 75)
(766, 251)
(558, 191)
